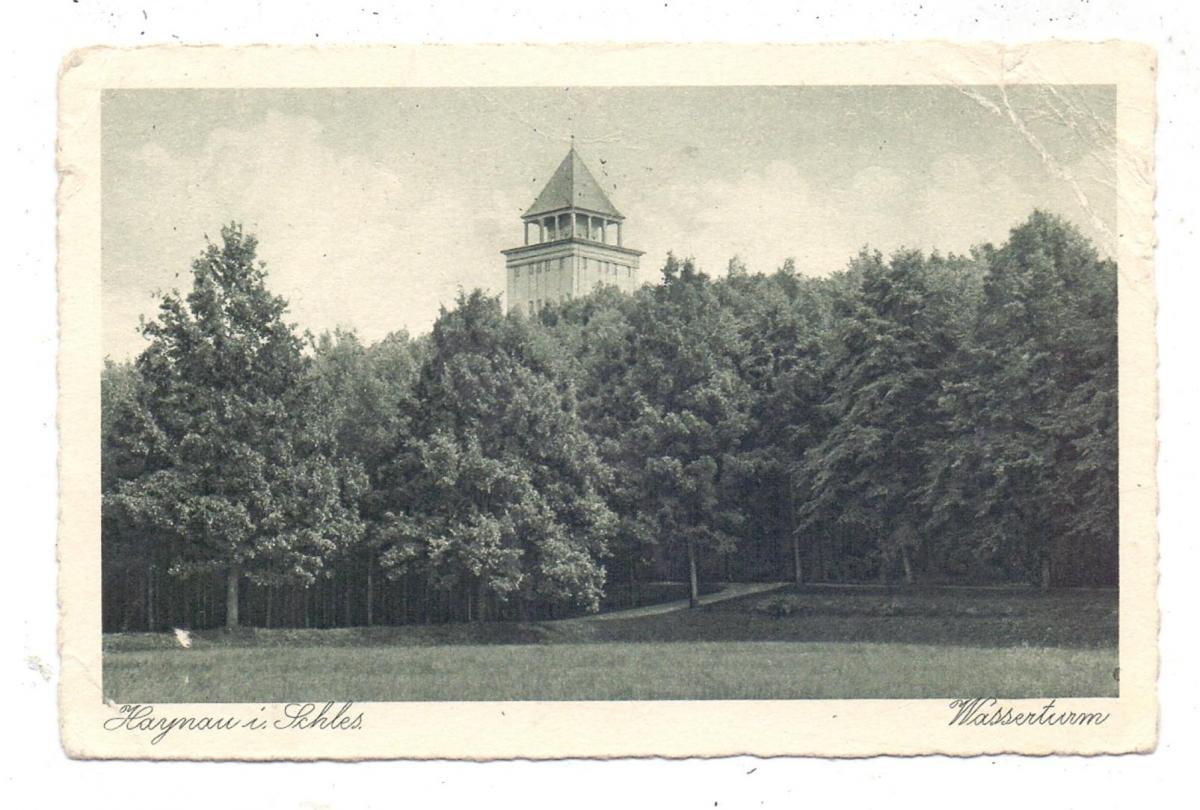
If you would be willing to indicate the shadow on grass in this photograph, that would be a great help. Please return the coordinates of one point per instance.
(989, 617)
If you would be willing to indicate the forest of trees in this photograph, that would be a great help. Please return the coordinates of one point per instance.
(911, 419)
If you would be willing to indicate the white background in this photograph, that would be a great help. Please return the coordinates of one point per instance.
(34, 770)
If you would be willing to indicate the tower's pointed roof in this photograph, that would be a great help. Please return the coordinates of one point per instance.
(573, 186)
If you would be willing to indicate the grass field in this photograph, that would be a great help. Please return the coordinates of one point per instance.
(794, 643)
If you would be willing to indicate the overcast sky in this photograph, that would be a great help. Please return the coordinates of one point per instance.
(372, 207)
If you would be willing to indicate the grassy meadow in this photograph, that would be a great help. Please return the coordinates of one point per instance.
(812, 642)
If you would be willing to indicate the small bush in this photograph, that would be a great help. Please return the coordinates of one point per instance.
(778, 607)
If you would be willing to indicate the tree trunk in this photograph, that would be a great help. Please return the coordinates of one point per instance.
(799, 571)
(151, 612)
(1046, 572)
(635, 590)
(127, 602)
(232, 580)
(370, 590)
(694, 593)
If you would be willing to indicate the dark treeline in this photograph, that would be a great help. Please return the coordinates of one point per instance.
(911, 419)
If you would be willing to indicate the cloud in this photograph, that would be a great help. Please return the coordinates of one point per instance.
(762, 216)
(347, 241)
(767, 215)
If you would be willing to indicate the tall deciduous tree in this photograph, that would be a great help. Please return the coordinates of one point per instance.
(686, 417)
(246, 480)
(130, 443)
(781, 319)
(369, 390)
(496, 492)
(1037, 438)
(896, 337)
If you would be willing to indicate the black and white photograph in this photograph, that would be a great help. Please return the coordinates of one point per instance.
(549, 394)
(732, 401)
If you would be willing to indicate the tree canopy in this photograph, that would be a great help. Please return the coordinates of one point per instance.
(239, 472)
(915, 417)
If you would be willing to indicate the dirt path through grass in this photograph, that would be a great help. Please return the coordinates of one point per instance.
(731, 591)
